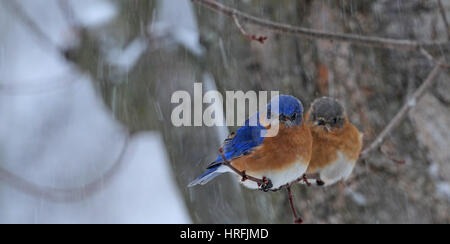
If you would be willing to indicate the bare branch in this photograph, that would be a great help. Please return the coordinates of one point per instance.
(433, 60)
(316, 34)
(297, 219)
(393, 159)
(264, 183)
(260, 39)
(412, 101)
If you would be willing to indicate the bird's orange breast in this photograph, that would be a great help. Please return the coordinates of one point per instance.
(347, 140)
(291, 145)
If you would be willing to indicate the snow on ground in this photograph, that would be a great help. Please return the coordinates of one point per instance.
(56, 132)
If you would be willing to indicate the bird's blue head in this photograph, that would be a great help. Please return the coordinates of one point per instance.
(290, 110)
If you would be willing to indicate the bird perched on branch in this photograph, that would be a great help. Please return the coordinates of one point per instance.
(261, 159)
(336, 142)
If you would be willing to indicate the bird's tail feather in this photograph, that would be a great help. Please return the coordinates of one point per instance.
(207, 176)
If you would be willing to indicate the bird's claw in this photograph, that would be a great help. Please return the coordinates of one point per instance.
(305, 179)
(244, 176)
(320, 182)
(266, 185)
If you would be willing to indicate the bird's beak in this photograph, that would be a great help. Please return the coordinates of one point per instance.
(328, 128)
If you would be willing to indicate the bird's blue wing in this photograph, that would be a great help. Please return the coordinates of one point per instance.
(242, 142)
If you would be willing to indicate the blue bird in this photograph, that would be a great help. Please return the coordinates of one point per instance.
(283, 158)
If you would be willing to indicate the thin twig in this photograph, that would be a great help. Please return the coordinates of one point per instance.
(263, 183)
(317, 34)
(259, 39)
(403, 111)
(444, 17)
(297, 220)
(430, 58)
(393, 159)
(427, 55)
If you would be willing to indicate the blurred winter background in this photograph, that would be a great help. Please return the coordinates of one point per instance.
(85, 130)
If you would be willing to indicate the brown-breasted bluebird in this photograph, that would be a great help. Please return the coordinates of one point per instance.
(282, 158)
(336, 142)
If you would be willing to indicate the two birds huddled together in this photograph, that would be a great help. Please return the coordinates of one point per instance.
(321, 145)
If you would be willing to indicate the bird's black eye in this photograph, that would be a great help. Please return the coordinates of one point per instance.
(321, 122)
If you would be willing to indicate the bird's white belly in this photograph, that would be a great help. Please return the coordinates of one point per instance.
(279, 177)
(340, 169)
